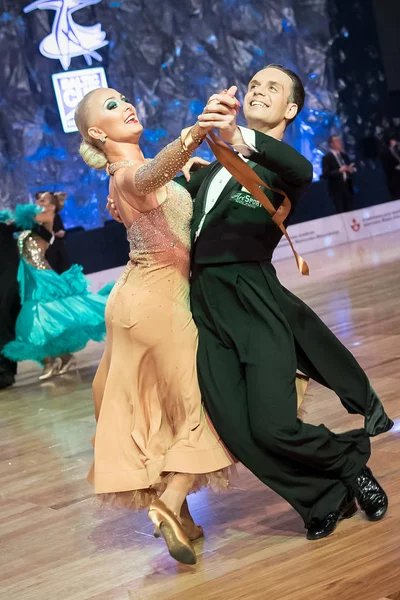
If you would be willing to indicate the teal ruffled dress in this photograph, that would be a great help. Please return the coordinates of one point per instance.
(58, 314)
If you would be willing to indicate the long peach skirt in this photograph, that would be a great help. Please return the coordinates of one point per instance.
(150, 418)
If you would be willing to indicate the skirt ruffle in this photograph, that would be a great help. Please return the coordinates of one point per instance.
(218, 481)
(68, 342)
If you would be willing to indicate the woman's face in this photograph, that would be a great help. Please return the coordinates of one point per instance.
(44, 200)
(113, 116)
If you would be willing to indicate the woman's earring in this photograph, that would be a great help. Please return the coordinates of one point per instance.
(103, 139)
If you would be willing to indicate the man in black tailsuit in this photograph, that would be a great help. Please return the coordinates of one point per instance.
(254, 334)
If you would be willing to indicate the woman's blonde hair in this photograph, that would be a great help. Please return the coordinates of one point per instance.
(92, 154)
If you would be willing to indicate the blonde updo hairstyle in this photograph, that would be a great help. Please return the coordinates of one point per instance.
(90, 149)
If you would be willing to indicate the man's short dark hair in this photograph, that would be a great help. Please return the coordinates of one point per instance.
(298, 94)
(331, 138)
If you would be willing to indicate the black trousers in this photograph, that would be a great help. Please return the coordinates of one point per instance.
(343, 198)
(9, 300)
(253, 334)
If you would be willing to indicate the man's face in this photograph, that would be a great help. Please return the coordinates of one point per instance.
(336, 144)
(266, 101)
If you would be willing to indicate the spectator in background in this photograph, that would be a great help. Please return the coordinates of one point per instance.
(390, 157)
(338, 170)
(56, 254)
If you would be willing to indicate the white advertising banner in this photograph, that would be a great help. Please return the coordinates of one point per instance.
(340, 229)
(374, 220)
(313, 235)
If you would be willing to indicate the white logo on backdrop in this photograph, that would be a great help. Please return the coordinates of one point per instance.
(71, 87)
(68, 39)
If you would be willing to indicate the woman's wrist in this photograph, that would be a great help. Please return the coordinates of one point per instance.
(197, 134)
(192, 138)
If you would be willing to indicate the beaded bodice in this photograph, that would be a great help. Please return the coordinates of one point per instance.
(161, 237)
(33, 249)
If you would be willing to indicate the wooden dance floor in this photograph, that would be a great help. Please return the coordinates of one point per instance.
(58, 544)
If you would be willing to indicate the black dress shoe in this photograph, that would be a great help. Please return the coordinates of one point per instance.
(320, 528)
(370, 496)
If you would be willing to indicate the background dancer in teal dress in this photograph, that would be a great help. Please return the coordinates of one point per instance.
(9, 293)
(58, 314)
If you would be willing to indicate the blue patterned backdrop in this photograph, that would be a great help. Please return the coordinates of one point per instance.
(168, 56)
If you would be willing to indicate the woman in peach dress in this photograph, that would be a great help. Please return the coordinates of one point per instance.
(153, 443)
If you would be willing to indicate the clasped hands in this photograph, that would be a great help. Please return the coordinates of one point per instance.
(348, 169)
(220, 113)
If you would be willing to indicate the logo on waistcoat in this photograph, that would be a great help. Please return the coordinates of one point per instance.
(68, 39)
(245, 199)
(355, 225)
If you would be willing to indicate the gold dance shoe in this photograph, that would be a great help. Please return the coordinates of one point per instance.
(168, 526)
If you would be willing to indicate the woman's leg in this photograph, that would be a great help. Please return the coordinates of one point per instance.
(176, 491)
